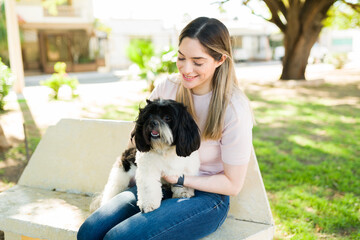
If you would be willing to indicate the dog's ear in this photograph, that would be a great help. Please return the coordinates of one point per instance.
(141, 142)
(188, 135)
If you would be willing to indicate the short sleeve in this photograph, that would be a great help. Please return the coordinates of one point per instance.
(236, 140)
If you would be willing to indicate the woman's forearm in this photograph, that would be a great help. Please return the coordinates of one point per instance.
(218, 183)
(228, 183)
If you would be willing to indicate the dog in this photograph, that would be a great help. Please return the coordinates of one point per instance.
(167, 139)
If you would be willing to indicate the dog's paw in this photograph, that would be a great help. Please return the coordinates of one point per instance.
(148, 206)
(183, 192)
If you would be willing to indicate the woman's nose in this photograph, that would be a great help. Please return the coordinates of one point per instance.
(187, 68)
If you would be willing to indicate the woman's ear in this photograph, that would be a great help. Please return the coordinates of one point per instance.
(221, 61)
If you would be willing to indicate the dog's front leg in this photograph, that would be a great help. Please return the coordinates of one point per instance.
(149, 189)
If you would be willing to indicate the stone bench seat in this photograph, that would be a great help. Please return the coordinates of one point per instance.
(72, 162)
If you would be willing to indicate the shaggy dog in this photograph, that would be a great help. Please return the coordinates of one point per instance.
(166, 139)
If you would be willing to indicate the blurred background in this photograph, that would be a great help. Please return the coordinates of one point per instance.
(88, 35)
(298, 62)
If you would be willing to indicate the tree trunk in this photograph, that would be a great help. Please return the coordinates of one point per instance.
(297, 52)
(301, 25)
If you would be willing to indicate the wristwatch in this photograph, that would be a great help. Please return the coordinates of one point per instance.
(180, 181)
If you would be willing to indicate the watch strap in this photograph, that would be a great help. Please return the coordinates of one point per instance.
(180, 181)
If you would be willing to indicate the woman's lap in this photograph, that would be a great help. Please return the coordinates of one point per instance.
(177, 218)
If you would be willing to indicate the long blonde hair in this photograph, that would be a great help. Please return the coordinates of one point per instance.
(215, 38)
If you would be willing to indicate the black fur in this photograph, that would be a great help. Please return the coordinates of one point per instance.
(128, 158)
(184, 129)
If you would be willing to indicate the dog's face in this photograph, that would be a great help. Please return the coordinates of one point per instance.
(166, 123)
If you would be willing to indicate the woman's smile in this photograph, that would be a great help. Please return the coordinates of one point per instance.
(189, 78)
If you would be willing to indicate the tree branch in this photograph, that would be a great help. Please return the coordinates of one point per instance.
(354, 6)
(274, 8)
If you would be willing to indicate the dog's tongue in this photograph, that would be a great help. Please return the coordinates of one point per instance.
(154, 132)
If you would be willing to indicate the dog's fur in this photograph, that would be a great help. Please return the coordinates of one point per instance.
(166, 139)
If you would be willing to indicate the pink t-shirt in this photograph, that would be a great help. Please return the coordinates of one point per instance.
(235, 145)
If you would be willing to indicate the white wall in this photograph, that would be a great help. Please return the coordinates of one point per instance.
(32, 12)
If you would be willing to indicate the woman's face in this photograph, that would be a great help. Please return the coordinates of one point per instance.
(196, 66)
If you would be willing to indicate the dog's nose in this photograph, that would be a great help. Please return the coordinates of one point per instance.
(154, 123)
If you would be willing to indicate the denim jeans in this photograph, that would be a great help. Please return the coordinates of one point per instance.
(176, 218)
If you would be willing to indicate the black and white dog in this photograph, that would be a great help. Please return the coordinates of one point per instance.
(166, 139)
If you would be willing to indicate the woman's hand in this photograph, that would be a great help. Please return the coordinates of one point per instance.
(170, 179)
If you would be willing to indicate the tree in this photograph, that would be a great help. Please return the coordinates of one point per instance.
(301, 22)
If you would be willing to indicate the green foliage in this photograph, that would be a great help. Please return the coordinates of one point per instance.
(167, 63)
(342, 16)
(59, 79)
(142, 53)
(6, 79)
(51, 5)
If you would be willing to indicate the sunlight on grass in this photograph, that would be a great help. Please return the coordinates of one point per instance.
(309, 153)
(329, 148)
(125, 112)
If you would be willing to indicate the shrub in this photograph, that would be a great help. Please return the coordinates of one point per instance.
(59, 79)
(6, 79)
(338, 60)
(142, 53)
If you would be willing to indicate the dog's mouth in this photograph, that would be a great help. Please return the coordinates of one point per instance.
(155, 134)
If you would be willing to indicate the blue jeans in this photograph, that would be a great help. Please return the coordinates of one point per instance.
(177, 218)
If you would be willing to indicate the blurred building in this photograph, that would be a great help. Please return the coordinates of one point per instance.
(250, 43)
(66, 35)
(342, 41)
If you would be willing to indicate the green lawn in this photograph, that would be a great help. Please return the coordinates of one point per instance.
(307, 144)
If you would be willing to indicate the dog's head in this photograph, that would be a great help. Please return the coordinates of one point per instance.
(166, 123)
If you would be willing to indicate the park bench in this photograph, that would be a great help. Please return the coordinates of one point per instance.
(72, 162)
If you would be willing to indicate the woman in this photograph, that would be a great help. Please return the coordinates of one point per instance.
(207, 85)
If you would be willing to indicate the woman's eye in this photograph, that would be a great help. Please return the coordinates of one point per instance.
(181, 59)
(197, 64)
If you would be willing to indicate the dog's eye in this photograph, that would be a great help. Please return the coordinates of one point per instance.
(167, 118)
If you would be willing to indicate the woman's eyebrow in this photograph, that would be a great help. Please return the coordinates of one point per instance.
(192, 57)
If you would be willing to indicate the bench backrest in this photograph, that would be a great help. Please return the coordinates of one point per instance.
(77, 155)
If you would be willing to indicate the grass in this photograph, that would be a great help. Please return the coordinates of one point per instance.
(127, 112)
(308, 151)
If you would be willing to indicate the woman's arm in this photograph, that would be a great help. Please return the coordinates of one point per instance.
(228, 183)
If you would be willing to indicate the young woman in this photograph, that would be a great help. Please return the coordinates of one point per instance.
(207, 85)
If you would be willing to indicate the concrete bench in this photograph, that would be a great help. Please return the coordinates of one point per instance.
(72, 162)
